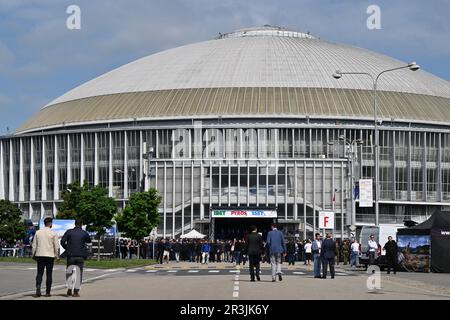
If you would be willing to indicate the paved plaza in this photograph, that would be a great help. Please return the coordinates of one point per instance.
(224, 282)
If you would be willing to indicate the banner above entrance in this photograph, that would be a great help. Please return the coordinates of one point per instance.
(220, 213)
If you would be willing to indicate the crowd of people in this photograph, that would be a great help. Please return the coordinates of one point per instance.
(231, 251)
(17, 249)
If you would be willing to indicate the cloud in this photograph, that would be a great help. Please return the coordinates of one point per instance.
(40, 58)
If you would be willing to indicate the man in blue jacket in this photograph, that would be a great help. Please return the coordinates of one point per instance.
(74, 242)
(277, 249)
(206, 249)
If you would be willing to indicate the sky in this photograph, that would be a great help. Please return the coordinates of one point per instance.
(41, 59)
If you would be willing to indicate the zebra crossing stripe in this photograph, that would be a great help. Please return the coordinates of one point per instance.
(151, 271)
(192, 271)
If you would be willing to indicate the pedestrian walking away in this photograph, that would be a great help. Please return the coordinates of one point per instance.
(316, 248)
(254, 250)
(45, 249)
(74, 242)
(354, 260)
(308, 251)
(328, 255)
(277, 250)
(391, 255)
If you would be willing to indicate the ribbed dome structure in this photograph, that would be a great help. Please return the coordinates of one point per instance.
(263, 72)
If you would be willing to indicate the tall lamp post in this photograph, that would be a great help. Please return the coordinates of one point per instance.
(413, 66)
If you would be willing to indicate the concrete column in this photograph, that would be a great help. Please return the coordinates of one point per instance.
(56, 173)
(174, 198)
(69, 160)
(21, 171)
(44, 174)
(314, 197)
(125, 166)
(182, 197)
(32, 178)
(2, 173)
(95, 159)
(424, 167)
(141, 162)
(11, 171)
(82, 169)
(165, 198)
(295, 190)
(110, 185)
(439, 169)
(192, 194)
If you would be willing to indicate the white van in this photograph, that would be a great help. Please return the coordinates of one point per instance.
(381, 234)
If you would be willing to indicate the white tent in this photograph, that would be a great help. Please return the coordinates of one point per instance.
(193, 234)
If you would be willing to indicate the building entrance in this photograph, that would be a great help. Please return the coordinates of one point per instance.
(238, 228)
(229, 224)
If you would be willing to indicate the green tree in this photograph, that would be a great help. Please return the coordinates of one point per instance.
(71, 200)
(96, 210)
(140, 215)
(12, 227)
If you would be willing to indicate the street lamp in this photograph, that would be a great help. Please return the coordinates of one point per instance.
(413, 66)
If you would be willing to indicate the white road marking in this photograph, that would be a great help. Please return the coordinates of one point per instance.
(298, 272)
(131, 270)
(214, 271)
(111, 270)
(90, 270)
(235, 294)
(32, 268)
(192, 271)
(172, 271)
(151, 271)
(235, 271)
(236, 288)
(236, 283)
(342, 274)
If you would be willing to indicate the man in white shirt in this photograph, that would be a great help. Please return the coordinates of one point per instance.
(373, 248)
(45, 250)
(354, 259)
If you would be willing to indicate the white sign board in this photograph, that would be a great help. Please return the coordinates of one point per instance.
(365, 193)
(326, 220)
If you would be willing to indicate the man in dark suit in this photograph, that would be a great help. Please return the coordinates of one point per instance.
(255, 247)
(328, 253)
(75, 243)
(391, 255)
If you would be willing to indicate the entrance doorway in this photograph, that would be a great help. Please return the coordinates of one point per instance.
(231, 228)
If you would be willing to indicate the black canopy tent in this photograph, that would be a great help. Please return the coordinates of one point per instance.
(438, 228)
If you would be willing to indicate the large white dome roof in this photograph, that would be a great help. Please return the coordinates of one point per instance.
(254, 72)
(258, 57)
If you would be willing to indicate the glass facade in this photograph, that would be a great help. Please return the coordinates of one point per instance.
(299, 169)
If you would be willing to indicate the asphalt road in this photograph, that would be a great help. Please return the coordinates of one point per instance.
(225, 282)
(16, 278)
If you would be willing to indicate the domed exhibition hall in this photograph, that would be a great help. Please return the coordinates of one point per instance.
(253, 126)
